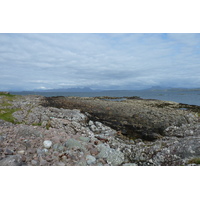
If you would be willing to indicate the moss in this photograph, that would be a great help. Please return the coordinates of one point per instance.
(5, 104)
(194, 161)
(36, 124)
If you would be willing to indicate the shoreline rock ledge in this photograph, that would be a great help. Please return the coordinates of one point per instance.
(75, 131)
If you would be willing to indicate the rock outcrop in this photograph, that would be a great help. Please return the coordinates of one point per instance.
(89, 131)
(136, 118)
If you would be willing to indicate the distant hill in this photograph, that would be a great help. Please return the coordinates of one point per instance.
(154, 88)
(84, 89)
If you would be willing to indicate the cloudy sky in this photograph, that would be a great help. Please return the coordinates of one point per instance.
(99, 61)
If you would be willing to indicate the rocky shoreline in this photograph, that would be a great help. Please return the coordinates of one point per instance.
(80, 131)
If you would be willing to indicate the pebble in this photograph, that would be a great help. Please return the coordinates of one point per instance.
(23, 158)
(64, 158)
(90, 159)
(130, 164)
(42, 161)
(91, 123)
(21, 152)
(56, 139)
(84, 139)
(44, 150)
(8, 152)
(94, 151)
(47, 144)
(55, 153)
(34, 162)
(32, 151)
(60, 164)
(58, 147)
(48, 158)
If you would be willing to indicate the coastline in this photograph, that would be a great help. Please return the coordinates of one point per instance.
(92, 131)
(187, 96)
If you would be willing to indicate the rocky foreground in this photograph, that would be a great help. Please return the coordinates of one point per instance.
(61, 131)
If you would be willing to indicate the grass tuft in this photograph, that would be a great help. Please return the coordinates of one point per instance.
(194, 161)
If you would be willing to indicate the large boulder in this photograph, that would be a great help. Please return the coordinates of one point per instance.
(112, 156)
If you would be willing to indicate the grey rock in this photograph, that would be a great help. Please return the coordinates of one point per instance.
(94, 128)
(45, 151)
(42, 161)
(34, 162)
(60, 164)
(13, 160)
(90, 123)
(74, 115)
(69, 130)
(58, 147)
(1, 138)
(99, 124)
(47, 144)
(90, 159)
(101, 147)
(130, 164)
(112, 156)
(99, 164)
(81, 163)
(72, 143)
(76, 125)
(84, 139)
(41, 152)
(25, 130)
(44, 124)
(115, 157)
(8, 152)
(94, 151)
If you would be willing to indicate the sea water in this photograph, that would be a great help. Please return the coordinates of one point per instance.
(191, 97)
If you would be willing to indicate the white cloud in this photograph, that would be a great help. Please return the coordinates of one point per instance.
(125, 61)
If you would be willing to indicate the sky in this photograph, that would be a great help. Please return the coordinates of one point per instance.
(107, 61)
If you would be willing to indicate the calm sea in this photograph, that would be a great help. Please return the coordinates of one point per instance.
(191, 97)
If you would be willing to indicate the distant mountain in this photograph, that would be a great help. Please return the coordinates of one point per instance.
(84, 89)
(171, 89)
(158, 88)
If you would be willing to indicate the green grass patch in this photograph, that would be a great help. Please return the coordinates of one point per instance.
(6, 114)
(6, 101)
(5, 104)
(7, 95)
(36, 124)
(48, 125)
(194, 161)
(7, 98)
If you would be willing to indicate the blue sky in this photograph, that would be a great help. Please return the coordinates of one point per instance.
(99, 61)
